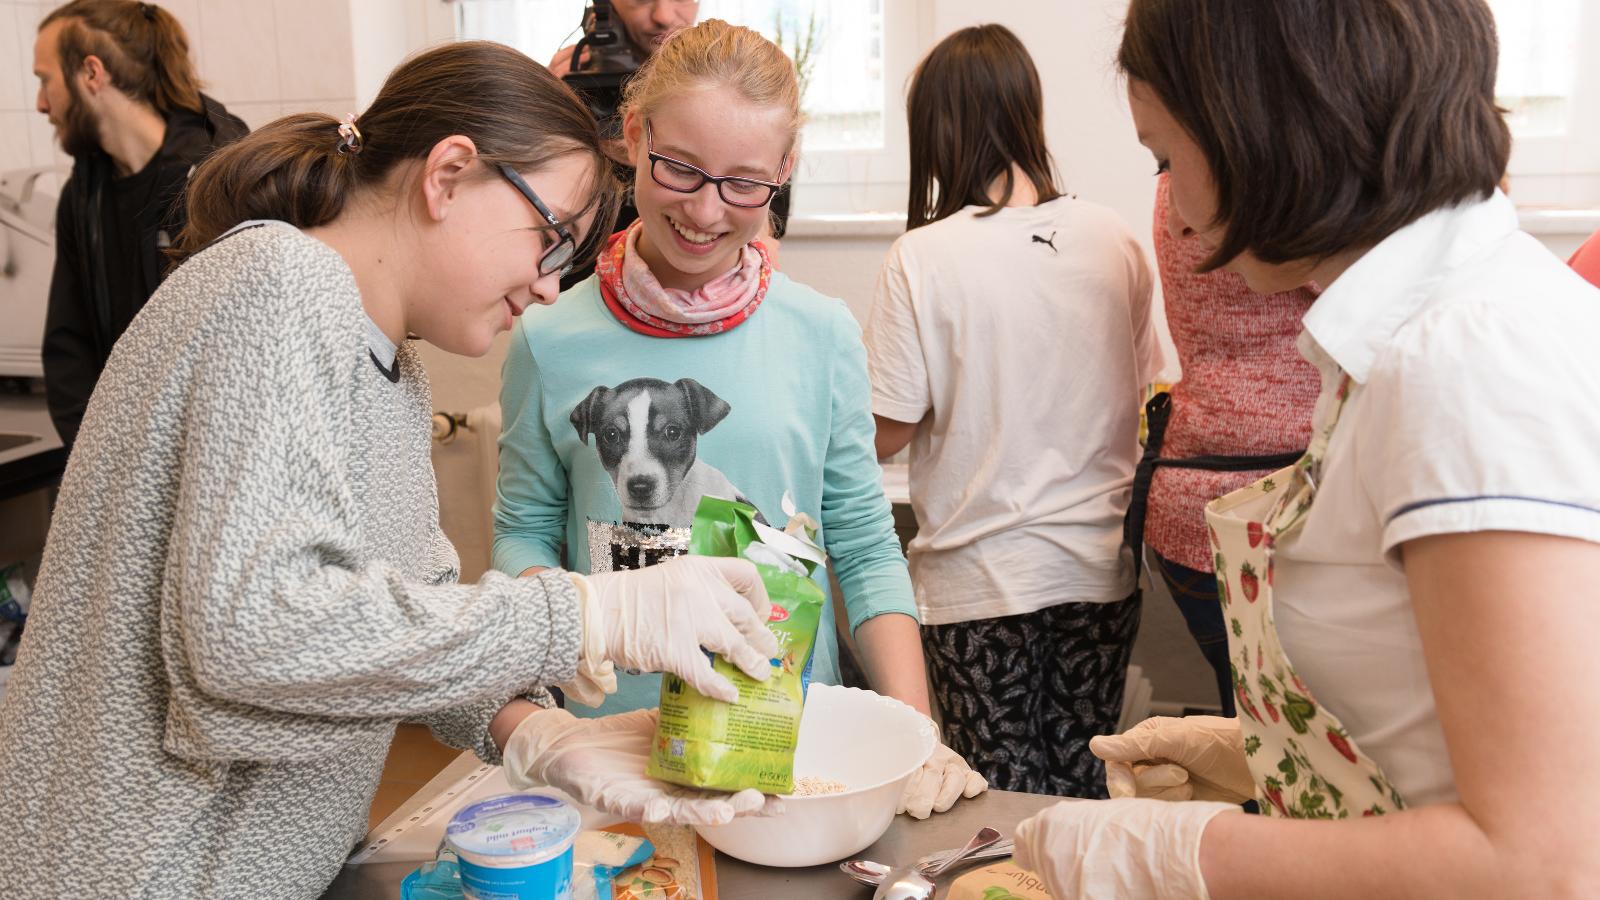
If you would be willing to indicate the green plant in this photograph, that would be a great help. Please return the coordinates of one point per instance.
(801, 43)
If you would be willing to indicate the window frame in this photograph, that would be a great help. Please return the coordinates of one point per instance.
(848, 181)
(833, 181)
(1564, 169)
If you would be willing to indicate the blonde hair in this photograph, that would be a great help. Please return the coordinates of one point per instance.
(716, 53)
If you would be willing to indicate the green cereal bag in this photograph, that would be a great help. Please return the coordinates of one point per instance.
(706, 743)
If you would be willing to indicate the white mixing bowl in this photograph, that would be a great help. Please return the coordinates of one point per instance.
(869, 743)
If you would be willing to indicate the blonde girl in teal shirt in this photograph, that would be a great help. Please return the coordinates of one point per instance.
(686, 366)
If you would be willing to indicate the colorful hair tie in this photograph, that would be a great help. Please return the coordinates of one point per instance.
(349, 135)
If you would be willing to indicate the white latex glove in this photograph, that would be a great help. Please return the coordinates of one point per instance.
(656, 620)
(1188, 758)
(600, 762)
(1118, 848)
(942, 780)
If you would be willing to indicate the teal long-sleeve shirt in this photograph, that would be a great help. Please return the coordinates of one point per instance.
(609, 438)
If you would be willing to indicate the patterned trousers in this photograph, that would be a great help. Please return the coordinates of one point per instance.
(1022, 695)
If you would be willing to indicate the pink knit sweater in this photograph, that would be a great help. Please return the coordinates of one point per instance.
(1246, 391)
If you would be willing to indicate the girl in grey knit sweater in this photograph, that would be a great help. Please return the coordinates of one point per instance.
(246, 587)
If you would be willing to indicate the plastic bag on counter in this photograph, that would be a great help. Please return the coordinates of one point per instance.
(436, 880)
(15, 597)
(602, 857)
(680, 867)
(705, 743)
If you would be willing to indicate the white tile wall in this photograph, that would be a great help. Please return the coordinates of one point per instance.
(14, 144)
(43, 149)
(241, 50)
(27, 14)
(257, 114)
(262, 58)
(315, 54)
(13, 92)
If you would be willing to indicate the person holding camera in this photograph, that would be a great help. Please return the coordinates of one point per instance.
(645, 23)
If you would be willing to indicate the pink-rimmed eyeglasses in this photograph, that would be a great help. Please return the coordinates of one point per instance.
(685, 178)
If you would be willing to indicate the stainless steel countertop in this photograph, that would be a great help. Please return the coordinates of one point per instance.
(35, 464)
(27, 414)
(906, 840)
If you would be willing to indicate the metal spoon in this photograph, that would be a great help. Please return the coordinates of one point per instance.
(910, 884)
(869, 872)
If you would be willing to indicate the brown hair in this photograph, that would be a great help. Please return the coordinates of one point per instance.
(1327, 126)
(716, 53)
(291, 169)
(975, 109)
(143, 48)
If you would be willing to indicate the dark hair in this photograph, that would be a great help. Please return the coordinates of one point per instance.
(1330, 125)
(143, 48)
(292, 169)
(975, 109)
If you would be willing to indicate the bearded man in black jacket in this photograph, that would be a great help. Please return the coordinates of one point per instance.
(116, 81)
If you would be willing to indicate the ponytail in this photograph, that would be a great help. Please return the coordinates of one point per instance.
(514, 111)
(143, 47)
(176, 84)
(289, 169)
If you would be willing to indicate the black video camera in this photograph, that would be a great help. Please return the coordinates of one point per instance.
(602, 62)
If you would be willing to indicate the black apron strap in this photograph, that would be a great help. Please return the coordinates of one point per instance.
(1156, 413)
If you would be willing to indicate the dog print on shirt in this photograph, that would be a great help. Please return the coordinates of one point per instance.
(646, 432)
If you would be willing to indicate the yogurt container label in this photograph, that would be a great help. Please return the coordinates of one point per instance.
(515, 847)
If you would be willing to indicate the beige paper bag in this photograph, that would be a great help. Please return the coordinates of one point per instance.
(999, 881)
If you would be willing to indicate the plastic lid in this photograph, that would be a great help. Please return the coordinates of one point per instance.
(515, 829)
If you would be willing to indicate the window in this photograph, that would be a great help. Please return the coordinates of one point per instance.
(838, 45)
(1538, 63)
(536, 27)
(858, 55)
(1549, 89)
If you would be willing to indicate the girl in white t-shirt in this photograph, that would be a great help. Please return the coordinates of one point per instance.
(1008, 344)
(1411, 606)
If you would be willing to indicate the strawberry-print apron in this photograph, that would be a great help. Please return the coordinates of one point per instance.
(1304, 763)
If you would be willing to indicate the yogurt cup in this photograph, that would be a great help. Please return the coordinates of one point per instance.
(515, 847)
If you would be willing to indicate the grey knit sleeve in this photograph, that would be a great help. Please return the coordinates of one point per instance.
(467, 727)
(444, 563)
(272, 604)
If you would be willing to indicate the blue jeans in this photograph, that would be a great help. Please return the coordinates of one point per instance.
(1195, 592)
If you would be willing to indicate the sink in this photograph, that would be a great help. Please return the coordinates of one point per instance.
(10, 439)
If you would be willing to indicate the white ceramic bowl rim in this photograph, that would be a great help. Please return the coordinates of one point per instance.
(925, 729)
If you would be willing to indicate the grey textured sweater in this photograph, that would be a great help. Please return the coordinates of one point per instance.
(245, 590)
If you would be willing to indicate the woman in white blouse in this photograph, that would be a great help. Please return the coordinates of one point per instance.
(1412, 605)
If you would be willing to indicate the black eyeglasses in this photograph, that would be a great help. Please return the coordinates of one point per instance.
(677, 175)
(558, 259)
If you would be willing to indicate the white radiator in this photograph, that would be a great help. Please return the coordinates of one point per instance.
(466, 462)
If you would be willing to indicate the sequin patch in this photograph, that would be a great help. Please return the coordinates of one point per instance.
(622, 546)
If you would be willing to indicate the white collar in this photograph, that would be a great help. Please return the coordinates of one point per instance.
(1360, 312)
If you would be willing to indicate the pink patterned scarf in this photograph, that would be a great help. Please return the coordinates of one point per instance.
(724, 302)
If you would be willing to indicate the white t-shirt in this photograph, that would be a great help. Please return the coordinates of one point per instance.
(1471, 349)
(1025, 338)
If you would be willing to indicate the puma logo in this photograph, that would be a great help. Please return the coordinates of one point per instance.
(1048, 242)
